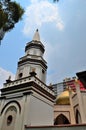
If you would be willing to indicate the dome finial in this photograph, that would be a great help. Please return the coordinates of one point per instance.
(36, 36)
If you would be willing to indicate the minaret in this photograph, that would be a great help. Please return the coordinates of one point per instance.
(27, 101)
(33, 60)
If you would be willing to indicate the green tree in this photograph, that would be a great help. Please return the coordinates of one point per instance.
(10, 14)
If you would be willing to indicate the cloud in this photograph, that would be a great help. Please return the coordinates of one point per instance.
(60, 25)
(39, 13)
(64, 47)
(4, 74)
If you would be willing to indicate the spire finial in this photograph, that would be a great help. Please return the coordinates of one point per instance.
(36, 36)
(37, 30)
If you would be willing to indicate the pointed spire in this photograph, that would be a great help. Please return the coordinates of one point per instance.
(36, 36)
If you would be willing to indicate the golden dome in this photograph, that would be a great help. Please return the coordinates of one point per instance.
(63, 98)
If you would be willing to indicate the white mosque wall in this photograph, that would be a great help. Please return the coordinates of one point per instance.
(41, 112)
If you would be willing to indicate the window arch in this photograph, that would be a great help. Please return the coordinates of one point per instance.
(9, 118)
(61, 119)
(10, 102)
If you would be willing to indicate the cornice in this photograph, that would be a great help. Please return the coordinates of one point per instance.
(27, 88)
(35, 44)
(32, 60)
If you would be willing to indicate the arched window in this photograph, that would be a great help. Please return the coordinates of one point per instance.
(20, 75)
(9, 119)
(61, 119)
(78, 117)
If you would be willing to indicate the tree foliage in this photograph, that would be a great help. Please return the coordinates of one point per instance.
(10, 13)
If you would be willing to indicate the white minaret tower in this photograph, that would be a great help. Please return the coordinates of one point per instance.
(27, 101)
(33, 60)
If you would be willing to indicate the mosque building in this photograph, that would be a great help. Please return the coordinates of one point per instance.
(28, 103)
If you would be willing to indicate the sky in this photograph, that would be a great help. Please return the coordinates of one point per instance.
(62, 28)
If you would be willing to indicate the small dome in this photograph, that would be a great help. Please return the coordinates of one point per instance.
(63, 98)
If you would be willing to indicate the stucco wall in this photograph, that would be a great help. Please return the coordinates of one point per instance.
(41, 113)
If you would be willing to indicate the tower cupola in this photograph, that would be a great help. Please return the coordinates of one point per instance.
(35, 47)
(33, 59)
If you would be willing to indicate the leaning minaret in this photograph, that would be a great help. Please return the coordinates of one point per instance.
(33, 60)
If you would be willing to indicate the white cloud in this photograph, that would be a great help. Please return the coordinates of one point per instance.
(4, 74)
(39, 13)
(65, 48)
(60, 25)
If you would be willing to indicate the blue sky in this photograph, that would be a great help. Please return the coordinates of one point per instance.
(62, 29)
